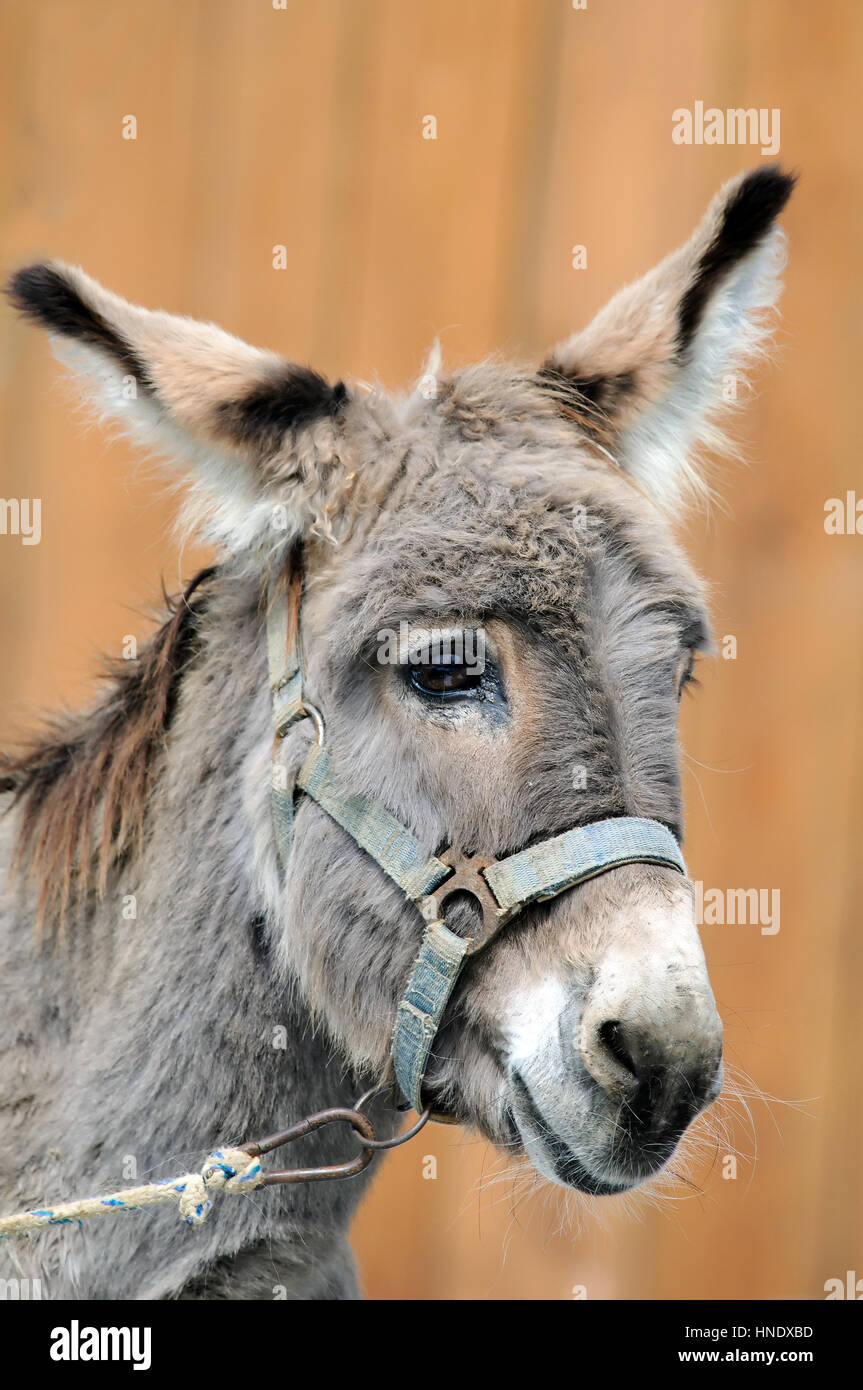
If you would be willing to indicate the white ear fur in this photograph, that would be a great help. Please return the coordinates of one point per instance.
(668, 353)
(224, 501)
(245, 425)
(660, 450)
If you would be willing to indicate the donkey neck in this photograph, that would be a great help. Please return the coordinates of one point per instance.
(180, 1027)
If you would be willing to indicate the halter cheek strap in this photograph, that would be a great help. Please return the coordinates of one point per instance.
(502, 887)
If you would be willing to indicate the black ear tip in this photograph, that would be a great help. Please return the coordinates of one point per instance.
(23, 285)
(759, 199)
(745, 220)
(776, 180)
(750, 212)
(785, 179)
(39, 291)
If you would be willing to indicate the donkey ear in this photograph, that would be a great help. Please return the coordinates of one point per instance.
(181, 385)
(645, 377)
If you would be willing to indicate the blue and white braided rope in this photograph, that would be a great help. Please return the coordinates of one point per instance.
(226, 1170)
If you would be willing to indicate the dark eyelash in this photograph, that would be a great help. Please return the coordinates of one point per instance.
(422, 678)
(689, 678)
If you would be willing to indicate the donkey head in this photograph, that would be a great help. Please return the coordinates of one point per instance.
(497, 627)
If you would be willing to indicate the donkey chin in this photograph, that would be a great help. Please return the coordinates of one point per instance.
(605, 1072)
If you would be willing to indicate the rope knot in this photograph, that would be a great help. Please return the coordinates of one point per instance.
(226, 1170)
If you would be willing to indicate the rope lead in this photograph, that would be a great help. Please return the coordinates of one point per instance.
(226, 1170)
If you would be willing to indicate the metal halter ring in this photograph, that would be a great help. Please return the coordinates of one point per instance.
(306, 711)
(399, 1138)
(313, 713)
(468, 876)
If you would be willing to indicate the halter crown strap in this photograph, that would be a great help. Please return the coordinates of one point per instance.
(503, 886)
(286, 687)
(283, 650)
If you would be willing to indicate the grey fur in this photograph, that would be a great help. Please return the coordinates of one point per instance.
(154, 1037)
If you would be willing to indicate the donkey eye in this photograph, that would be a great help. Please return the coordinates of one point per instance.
(443, 678)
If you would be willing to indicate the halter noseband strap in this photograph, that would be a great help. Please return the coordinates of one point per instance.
(502, 887)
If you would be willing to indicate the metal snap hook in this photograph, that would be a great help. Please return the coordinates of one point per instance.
(338, 1114)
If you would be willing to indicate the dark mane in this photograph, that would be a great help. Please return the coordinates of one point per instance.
(83, 784)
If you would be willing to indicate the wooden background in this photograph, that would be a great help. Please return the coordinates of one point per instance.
(303, 127)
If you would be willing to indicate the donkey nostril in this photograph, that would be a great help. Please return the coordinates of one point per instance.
(613, 1038)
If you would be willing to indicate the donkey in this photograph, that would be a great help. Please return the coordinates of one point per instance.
(182, 986)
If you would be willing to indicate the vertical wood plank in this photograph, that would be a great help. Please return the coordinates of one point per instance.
(304, 128)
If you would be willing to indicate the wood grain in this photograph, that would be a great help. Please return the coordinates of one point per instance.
(259, 127)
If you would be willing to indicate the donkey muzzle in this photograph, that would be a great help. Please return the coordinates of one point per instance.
(617, 1064)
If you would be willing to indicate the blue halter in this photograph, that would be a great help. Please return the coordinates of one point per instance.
(502, 887)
